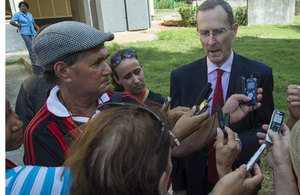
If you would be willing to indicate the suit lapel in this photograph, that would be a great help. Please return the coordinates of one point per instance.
(236, 72)
(202, 79)
(199, 79)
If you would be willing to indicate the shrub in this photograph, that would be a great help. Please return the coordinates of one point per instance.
(167, 4)
(163, 4)
(180, 4)
(240, 16)
(188, 15)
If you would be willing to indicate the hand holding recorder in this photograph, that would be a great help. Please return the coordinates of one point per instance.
(278, 152)
(238, 182)
(227, 150)
(279, 159)
(237, 109)
(207, 129)
(274, 126)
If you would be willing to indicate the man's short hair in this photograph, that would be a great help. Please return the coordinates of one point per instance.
(49, 74)
(210, 4)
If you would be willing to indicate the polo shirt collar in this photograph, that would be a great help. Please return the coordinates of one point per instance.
(58, 109)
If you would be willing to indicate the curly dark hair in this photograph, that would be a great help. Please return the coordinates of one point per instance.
(24, 3)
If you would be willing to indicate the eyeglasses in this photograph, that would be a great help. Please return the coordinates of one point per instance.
(116, 59)
(110, 104)
(215, 33)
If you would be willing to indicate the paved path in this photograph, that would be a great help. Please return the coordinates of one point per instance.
(13, 40)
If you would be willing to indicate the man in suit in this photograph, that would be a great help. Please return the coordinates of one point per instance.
(195, 174)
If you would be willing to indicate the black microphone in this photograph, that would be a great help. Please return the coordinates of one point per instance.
(227, 119)
(241, 89)
(221, 120)
(201, 101)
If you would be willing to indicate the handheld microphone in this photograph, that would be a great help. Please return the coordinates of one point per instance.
(202, 102)
(221, 120)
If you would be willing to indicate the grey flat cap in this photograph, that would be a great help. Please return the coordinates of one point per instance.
(65, 38)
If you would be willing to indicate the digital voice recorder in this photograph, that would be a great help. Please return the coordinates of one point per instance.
(275, 123)
(255, 157)
(251, 91)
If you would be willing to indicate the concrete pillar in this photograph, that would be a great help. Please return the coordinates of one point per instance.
(262, 12)
(81, 11)
(151, 6)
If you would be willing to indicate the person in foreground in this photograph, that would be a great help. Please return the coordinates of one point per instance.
(124, 150)
(128, 75)
(223, 68)
(283, 156)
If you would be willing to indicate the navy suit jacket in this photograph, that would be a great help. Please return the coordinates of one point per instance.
(187, 82)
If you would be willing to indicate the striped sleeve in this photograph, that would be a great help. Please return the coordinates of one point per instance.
(37, 180)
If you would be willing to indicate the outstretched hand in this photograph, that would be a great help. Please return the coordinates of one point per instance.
(227, 151)
(293, 98)
(278, 153)
(177, 112)
(237, 109)
(188, 123)
(279, 160)
(238, 182)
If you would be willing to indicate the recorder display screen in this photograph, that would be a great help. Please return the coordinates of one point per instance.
(251, 85)
(277, 118)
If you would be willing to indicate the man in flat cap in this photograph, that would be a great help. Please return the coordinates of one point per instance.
(73, 57)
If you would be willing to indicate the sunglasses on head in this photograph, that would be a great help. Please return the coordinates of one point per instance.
(127, 53)
(110, 104)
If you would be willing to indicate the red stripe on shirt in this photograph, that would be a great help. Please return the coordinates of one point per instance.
(59, 137)
(75, 131)
(29, 130)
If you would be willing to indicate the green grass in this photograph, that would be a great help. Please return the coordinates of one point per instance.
(297, 19)
(277, 46)
(19, 61)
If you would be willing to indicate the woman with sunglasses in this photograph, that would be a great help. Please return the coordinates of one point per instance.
(128, 75)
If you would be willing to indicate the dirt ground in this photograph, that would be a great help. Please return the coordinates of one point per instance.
(149, 34)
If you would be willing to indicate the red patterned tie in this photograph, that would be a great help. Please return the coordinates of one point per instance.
(212, 174)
